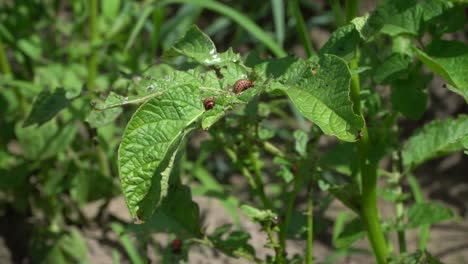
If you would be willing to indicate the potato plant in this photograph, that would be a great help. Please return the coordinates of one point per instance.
(174, 129)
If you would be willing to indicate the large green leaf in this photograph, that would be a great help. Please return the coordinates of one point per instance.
(321, 92)
(435, 139)
(150, 140)
(449, 59)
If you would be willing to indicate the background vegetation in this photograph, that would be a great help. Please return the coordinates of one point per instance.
(283, 178)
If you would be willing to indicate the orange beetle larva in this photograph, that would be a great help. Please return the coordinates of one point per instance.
(242, 85)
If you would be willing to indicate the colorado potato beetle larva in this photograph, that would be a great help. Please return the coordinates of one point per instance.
(208, 103)
(242, 85)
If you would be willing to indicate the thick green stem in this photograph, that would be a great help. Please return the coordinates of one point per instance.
(310, 229)
(93, 36)
(4, 64)
(369, 212)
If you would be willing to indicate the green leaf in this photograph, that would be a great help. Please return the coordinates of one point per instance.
(435, 139)
(197, 45)
(396, 17)
(110, 9)
(392, 68)
(46, 106)
(182, 211)
(39, 143)
(342, 42)
(321, 92)
(99, 118)
(258, 215)
(73, 245)
(301, 140)
(341, 158)
(127, 244)
(408, 96)
(232, 243)
(421, 214)
(449, 59)
(418, 257)
(345, 234)
(150, 140)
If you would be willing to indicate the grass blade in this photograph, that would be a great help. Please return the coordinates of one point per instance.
(301, 28)
(239, 18)
(278, 16)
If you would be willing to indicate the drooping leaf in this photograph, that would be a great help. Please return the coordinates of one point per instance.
(182, 211)
(435, 139)
(151, 138)
(449, 59)
(321, 92)
(421, 214)
(46, 106)
(393, 67)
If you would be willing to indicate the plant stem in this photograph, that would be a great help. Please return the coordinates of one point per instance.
(424, 231)
(369, 213)
(368, 169)
(5, 65)
(351, 9)
(259, 182)
(310, 229)
(93, 36)
(301, 28)
(158, 18)
(398, 175)
(337, 12)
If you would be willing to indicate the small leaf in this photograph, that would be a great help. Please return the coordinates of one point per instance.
(301, 140)
(46, 106)
(151, 138)
(258, 215)
(99, 118)
(449, 59)
(421, 214)
(197, 45)
(232, 243)
(392, 68)
(345, 235)
(435, 139)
